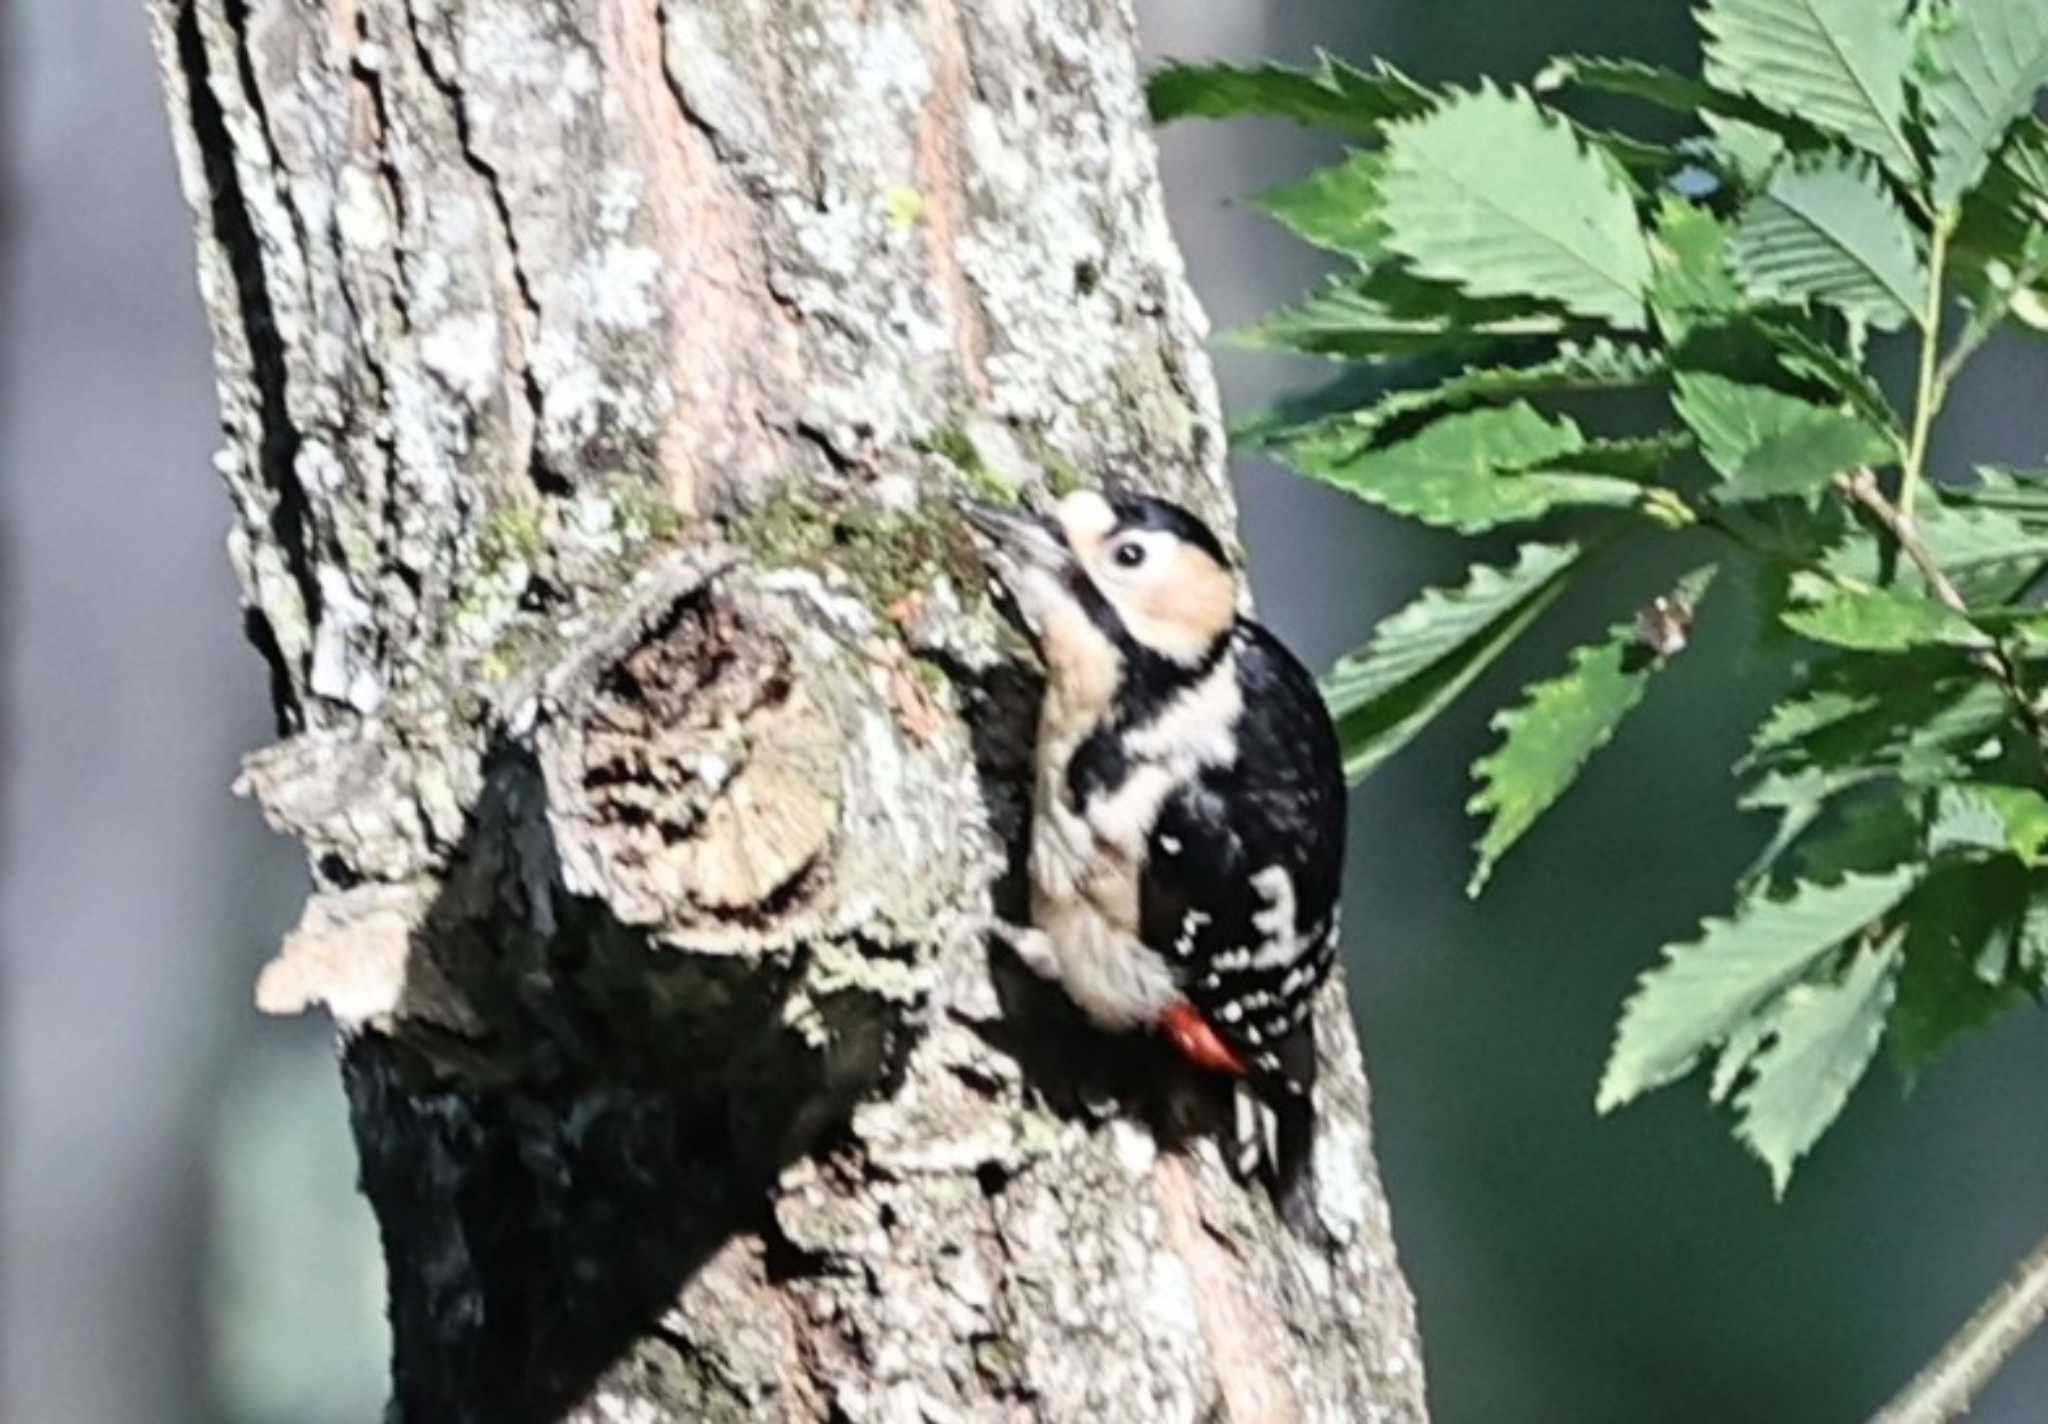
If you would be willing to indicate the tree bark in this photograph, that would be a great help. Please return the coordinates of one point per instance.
(595, 377)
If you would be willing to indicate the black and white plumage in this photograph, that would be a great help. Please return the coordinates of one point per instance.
(1188, 818)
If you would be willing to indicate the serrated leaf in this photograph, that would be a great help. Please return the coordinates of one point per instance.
(1599, 365)
(1874, 620)
(1831, 232)
(1490, 192)
(1990, 816)
(1667, 89)
(1630, 78)
(2001, 221)
(1693, 281)
(1346, 320)
(1706, 988)
(1802, 799)
(1332, 95)
(1806, 458)
(1800, 716)
(1630, 457)
(1916, 717)
(1908, 712)
(1337, 207)
(1812, 359)
(1420, 658)
(1823, 1037)
(1869, 835)
(1960, 916)
(1748, 152)
(2030, 946)
(1642, 166)
(1990, 554)
(2022, 492)
(1767, 443)
(1741, 1046)
(1548, 738)
(1839, 64)
(1469, 472)
(1990, 58)
(2025, 160)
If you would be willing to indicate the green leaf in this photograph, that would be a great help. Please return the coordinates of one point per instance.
(1870, 834)
(1344, 320)
(2030, 946)
(1469, 472)
(2025, 161)
(1803, 714)
(1874, 620)
(1630, 457)
(1767, 443)
(1559, 724)
(1492, 193)
(1420, 658)
(1632, 79)
(1823, 1037)
(1705, 989)
(2001, 222)
(1598, 365)
(1667, 89)
(1915, 717)
(1839, 64)
(1333, 95)
(1990, 58)
(1741, 1046)
(1811, 359)
(1748, 153)
(1960, 917)
(1981, 815)
(2022, 492)
(1336, 207)
(1693, 280)
(1989, 553)
(1830, 232)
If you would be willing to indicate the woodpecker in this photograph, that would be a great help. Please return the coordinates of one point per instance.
(1187, 835)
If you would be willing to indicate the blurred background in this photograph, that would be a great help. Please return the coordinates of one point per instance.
(179, 1239)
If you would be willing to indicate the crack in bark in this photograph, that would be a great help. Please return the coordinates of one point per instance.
(278, 440)
(939, 165)
(684, 107)
(370, 81)
(545, 478)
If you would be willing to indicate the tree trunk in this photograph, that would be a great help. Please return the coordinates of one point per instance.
(595, 376)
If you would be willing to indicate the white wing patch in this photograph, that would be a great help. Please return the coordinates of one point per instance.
(1280, 943)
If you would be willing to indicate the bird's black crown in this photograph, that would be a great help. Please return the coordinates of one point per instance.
(1144, 511)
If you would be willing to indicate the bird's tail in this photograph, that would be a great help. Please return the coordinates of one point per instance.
(1275, 1138)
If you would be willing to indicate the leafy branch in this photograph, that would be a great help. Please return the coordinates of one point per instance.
(1855, 169)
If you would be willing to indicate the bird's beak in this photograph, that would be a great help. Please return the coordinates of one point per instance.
(1029, 561)
(1021, 540)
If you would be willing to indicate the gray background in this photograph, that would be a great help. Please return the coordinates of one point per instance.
(179, 1241)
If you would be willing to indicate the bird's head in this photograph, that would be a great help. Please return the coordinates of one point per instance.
(1102, 582)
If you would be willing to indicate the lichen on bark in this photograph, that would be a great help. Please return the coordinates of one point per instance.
(595, 378)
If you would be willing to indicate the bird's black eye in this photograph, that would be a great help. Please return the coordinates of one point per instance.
(1129, 554)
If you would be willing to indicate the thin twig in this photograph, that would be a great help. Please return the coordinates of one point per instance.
(1862, 487)
(1926, 399)
(1952, 1378)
